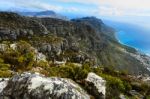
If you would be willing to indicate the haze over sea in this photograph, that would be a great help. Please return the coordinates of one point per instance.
(132, 31)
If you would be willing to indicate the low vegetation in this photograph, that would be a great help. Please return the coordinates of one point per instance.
(22, 59)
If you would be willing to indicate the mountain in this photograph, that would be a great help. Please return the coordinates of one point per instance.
(84, 50)
(78, 40)
(47, 13)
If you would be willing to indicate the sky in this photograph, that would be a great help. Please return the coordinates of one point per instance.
(87, 7)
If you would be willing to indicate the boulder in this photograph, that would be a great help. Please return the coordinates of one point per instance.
(134, 93)
(13, 35)
(96, 85)
(40, 57)
(122, 96)
(3, 47)
(57, 48)
(4, 31)
(13, 46)
(36, 86)
(3, 83)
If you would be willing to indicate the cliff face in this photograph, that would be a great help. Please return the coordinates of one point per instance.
(78, 41)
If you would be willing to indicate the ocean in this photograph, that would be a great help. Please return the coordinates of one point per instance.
(136, 35)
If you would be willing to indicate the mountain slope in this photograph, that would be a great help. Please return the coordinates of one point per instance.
(48, 13)
(77, 41)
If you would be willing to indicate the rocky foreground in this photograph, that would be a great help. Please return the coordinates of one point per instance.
(37, 86)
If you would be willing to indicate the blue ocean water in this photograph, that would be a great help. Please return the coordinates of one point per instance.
(133, 35)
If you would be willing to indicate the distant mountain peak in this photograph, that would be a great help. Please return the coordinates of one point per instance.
(47, 13)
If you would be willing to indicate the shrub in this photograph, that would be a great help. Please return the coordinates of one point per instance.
(42, 64)
(114, 84)
(20, 59)
(4, 66)
(5, 74)
(70, 71)
(4, 69)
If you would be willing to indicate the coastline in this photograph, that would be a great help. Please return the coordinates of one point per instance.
(131, 35)
(137, 49)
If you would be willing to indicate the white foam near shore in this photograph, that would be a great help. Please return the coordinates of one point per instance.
(130, 34)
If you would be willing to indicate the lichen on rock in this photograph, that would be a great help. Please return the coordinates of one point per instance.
(36, 86)
(96, 85)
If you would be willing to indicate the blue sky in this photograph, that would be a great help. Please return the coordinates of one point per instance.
(39, 5)
(87, 7)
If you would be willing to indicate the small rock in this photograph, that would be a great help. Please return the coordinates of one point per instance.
(13, 46)
(40, 57)
(122, 96)
(3, 83)
(3, 47)
(137, 94)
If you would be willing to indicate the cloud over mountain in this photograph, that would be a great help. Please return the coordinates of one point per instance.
(98, 7)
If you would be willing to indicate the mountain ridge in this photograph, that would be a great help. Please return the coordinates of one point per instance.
(82, 37)
(47, 13)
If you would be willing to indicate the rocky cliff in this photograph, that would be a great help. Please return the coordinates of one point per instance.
(79, 40)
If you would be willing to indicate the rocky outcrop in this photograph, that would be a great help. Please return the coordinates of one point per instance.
(3, 83)
(62, 51)
(40, 57)
(36, 86)
(3, 47)
(13, 26)
(134, 93)
(122, 96)
(96, 85)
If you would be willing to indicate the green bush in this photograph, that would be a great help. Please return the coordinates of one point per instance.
(5, 74)
(4, 66)
(148, 97)
(4, 69)
(20, 59)
(70, 71)
(42, 64)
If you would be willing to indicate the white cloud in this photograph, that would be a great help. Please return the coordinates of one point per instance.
(35, 4)
(101, 7)
(103, 10)
(81, 1)
(39, 5)
(136, 4)
(118, 7)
